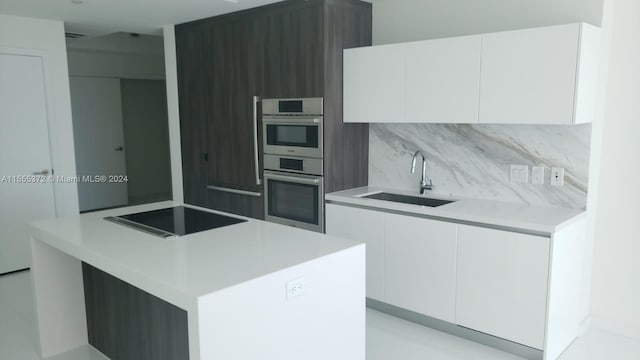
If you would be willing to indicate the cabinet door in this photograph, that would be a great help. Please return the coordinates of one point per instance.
(529, 76)
(367, 226)
(193, 114)
(292, 46)
(420, 265)
(230, 122)
(374, 84)
(443, 80)
(502, 284)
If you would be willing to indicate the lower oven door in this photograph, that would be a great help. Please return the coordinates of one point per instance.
(295, 200)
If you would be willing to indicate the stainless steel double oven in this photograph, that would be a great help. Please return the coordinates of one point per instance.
(293, 162)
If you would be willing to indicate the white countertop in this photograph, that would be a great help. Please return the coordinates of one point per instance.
(179, 270)
(520, 217)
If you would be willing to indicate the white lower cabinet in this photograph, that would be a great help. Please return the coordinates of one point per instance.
(505, 284)
(420, 265)
(502, 284)
(366, 226)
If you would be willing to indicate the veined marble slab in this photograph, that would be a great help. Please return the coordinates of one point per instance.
(473, 160)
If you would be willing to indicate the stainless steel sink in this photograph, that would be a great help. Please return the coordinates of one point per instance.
(406, 199)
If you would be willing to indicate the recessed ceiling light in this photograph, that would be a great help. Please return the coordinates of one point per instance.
(77, 2)
(232, 1)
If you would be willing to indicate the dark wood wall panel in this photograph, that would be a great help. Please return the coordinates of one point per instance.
(126, 323)
(293, 55)
(286, 49)
(230, 92)
(193, 115)
(347, 24)
(244, 205)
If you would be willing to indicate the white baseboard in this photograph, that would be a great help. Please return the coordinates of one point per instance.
(615, 327)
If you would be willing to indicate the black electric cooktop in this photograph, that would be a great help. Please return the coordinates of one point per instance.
(174, 221)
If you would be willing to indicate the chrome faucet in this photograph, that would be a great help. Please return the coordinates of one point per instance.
(423, 183)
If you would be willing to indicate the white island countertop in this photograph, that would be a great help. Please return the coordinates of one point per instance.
(179, 270)
(510, 216)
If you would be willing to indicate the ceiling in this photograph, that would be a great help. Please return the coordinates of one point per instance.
(98, 17)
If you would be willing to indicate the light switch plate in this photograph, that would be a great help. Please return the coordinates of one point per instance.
(519, 173)
(557, 176)
(537, 175)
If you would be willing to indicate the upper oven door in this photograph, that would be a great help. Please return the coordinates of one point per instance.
(298, 136)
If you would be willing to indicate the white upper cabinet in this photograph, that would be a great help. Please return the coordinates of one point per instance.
(539, 76)
(373, 87)
(442, 80)
(543, 75)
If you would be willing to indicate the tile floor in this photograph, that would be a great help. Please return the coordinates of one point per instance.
(17, 328)
(387, 337)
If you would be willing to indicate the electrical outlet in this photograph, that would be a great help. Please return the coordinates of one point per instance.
(519, 173)
(537, 175)
(557, 176)
(295, 288)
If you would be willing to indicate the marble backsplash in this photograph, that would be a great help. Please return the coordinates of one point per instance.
(473, 160)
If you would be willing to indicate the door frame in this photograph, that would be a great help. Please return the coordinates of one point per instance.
(48, 95)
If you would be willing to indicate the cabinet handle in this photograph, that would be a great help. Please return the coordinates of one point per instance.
(44, 172)
(234, 191)
(256, 99)
(296, 120)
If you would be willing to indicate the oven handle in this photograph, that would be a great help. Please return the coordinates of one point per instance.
(256, 99)
(294, 179)
(290, 121)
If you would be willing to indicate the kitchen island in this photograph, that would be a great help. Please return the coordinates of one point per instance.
(253, 290)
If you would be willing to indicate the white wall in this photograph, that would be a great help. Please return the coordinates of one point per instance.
(615, 300)
(117, 55)
(146, 140)
(121, 42)
(139, 60)
(169, 35)
(596, 154)
(113, 64)
(408, 20)
(48, 37)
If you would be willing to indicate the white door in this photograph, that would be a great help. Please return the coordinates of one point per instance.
(99, 141)
(24, 150)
